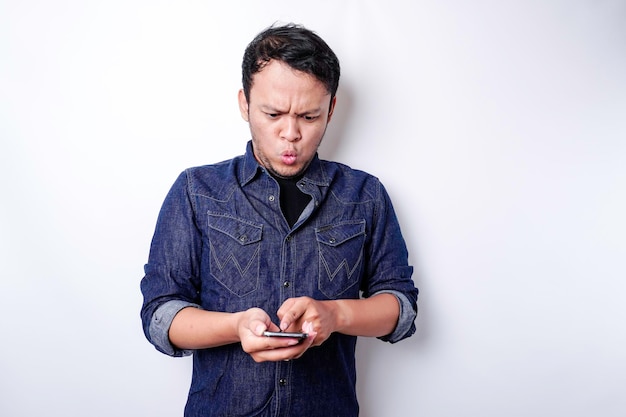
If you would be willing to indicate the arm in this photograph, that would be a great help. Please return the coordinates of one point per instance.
(171, 275)
(193, 328)
(376, 316)
(172, 316)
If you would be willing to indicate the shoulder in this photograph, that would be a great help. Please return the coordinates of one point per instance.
(352, 183)
(212, 179)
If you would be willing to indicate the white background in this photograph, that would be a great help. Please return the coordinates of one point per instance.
(498, 127)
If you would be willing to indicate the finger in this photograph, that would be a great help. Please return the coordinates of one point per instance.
(255, 325)
(307, 327)
(278, 350)
(259, 327)
(289, 312)
(296, 351)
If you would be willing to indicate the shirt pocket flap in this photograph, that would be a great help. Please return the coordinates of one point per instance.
(336, 234)
(242, 231)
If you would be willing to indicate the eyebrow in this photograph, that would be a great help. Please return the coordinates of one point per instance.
(270, 109)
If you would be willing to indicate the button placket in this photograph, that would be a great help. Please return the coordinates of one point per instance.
(287, 290)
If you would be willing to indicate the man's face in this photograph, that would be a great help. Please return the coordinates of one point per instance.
(288, 113)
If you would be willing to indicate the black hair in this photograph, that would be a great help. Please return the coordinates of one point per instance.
(296, 46)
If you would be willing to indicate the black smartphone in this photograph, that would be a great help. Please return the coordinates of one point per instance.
(296, 335)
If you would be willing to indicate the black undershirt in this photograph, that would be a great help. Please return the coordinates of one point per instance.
(292, 200)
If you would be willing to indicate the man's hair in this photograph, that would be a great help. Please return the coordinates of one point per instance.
(296, 46)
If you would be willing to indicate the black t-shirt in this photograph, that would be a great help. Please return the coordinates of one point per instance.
(292, 200)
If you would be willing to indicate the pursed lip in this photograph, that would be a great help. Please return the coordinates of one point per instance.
(289, 157)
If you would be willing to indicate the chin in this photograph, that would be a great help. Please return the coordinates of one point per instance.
(288, 173)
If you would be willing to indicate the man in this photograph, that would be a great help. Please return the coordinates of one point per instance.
(277, 240)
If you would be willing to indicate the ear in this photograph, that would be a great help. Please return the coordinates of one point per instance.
(332, 109)
(243, 105)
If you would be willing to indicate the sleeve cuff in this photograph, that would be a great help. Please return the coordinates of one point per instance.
(160, 327)
(407, 316)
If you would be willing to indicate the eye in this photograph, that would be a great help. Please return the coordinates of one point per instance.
(310, 118)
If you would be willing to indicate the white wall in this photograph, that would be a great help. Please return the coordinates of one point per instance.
(499, 128)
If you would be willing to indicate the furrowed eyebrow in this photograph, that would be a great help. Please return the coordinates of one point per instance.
(273, 110)
(270, 109)
(315, 112)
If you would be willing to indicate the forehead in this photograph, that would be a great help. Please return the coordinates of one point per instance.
(278, 83)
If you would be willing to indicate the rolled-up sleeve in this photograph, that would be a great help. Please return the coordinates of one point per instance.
(160, 327)
(404, 327)
(171, 275)
(388, 268)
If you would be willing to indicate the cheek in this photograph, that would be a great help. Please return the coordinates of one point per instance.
(316, 133)
(263, 127)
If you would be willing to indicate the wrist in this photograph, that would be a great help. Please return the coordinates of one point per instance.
(340, 314)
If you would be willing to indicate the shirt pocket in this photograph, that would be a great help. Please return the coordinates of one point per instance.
(235, 245)
(340, 256)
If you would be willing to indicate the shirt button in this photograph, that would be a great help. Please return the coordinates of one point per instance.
(271, 198)
(282, 382)
(286, 284)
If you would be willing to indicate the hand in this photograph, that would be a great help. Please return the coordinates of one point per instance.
(250, 327)
(317, 318)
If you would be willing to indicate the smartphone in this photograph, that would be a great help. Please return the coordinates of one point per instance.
(296, 335)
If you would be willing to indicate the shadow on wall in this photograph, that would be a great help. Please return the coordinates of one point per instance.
(372, 352)
(330, 149)
(337, 128)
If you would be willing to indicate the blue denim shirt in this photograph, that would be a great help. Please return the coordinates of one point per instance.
(221, 243)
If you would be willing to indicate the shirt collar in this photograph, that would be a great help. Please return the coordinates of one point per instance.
(315, 173)
(250, 167)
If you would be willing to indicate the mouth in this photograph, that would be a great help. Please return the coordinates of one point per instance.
(288, 157)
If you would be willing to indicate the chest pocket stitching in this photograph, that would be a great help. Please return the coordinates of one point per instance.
(235, 246)
(340, 256)
(242, 231)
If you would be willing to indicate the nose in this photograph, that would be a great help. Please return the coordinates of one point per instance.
(291, 129)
